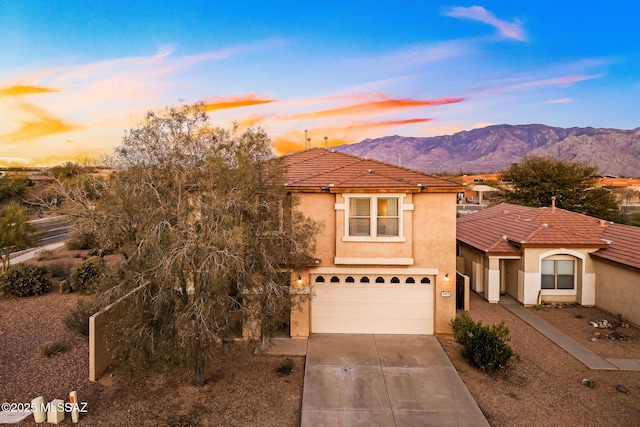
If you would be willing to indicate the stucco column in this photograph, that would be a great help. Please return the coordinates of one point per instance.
(492, 288)
(300, 293)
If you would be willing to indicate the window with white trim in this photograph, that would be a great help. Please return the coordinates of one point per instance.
(374, 216)
(558, 274)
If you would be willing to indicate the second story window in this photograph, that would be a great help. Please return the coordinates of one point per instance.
(374, 216)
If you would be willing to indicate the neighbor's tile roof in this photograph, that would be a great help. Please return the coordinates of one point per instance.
(505, 229)
(318, 168)
(624, 247)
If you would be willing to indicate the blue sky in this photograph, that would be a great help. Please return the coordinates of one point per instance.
(75, 74)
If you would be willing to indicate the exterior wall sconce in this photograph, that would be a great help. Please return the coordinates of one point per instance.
(299, 280)
(446, 292)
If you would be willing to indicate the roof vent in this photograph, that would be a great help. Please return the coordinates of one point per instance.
(370, 170)
(420, 184)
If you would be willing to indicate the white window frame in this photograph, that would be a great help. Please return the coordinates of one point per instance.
(555, 274)
(373, 212)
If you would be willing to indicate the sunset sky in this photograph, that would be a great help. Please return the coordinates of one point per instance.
(74, 75)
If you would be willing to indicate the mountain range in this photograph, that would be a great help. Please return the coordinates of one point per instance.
(614, 152)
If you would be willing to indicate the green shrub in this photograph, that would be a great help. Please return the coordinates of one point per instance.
(80, 241)
(486, 347)
(52, 348)
(23, 280)
(86, 276)
(78, 319)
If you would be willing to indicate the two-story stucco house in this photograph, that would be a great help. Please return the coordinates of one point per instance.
(386, 257)
(553, 255)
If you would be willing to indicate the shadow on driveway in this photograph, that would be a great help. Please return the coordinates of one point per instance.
(383, 380)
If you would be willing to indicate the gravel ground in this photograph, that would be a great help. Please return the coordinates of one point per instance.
(243, 389)
(544, 388)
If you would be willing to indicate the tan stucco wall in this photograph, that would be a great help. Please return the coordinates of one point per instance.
(585, 276)
(430, 243)
(521, 278)
(99, 355)
(435, 246)
(472, 259)
(618, 290)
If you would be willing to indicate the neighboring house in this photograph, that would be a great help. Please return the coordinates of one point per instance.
(560, 255)
(386, 256)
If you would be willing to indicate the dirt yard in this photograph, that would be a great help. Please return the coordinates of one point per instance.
(544, 388)
(243, 389)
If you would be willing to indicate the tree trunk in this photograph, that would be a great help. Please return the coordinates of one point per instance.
(200, 379)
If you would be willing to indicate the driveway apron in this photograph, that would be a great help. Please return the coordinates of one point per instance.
(383, 380)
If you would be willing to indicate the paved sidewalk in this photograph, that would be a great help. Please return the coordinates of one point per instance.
(571, 346)
(31, 253)
(383, 380)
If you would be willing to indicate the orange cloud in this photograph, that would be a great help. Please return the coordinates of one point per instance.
(18, 90)
(235, 102)
(397, 122)
(38, 124)
(374, 107)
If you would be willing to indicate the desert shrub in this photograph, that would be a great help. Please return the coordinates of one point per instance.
(78, 318)
(486, 347)
(86, 276)
(43, 254)
(80, 241)
(286, 367)
(59, 269)
(23, 280)
(52, 348)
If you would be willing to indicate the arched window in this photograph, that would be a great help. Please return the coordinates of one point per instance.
(379, 279)
(425, 280)
(335, 279)
(320, 279)
(349, 279)
(364, 279)
(410, 280)
(395, 280)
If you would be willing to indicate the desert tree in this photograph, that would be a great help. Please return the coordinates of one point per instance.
(208, 231)
(16, 232)
(13, 188)
(536, 179)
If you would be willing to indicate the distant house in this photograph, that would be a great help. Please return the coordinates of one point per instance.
(386, 260)
(560, 255)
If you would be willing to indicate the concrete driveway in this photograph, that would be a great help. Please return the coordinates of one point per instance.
(383, 380)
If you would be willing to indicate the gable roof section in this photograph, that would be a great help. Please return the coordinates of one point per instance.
(505, 229)
(624, 247)
(319, 169)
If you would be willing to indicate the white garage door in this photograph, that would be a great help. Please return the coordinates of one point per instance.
(372, 308)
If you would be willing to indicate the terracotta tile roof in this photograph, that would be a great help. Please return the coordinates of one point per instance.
(318, 168)
(505, 229)
(624, 247)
